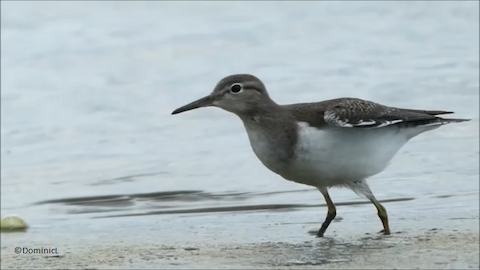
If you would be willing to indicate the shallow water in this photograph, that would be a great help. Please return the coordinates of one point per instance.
(88, 88)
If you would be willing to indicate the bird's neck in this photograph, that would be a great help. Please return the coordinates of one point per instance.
(266, 109)
(272, 131)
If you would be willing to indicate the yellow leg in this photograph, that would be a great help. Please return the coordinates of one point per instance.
(332, 212)
(382, 214)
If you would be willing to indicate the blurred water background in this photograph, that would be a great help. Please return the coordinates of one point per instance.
(87, 88)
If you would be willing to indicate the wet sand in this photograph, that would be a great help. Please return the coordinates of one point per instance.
(430, 250)
(441, 237)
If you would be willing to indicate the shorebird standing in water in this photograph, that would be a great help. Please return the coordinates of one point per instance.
(333, 143)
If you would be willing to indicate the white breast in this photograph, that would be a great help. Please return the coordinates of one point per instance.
(335, 156)
(331, 157)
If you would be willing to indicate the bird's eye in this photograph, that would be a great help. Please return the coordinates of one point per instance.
(236, 88)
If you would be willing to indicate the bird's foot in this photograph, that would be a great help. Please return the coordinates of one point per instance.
(383, 232)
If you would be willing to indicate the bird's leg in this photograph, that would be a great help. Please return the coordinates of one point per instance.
(361, 187)
(382, 214)
(332, 212)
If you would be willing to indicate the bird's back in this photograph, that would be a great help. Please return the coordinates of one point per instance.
(359, 113)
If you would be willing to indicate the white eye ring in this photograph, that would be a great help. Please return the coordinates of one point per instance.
(236, 88)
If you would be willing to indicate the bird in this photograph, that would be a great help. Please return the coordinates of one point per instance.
(338, 142)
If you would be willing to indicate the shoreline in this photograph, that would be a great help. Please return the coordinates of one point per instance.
(434, 249)
(426, 234)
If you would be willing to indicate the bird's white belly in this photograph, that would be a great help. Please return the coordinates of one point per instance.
(337, 156)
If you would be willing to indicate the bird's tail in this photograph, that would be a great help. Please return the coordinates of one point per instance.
(455, 120)
(452, 120)
(438, 121)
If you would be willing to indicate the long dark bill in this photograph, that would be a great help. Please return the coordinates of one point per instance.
(203, 102)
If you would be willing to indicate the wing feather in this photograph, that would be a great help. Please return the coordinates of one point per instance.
(366, 114)
(359, 113)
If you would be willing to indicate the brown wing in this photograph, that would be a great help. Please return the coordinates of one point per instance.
(358, 113)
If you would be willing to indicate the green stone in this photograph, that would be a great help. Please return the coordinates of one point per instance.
(13, 224)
